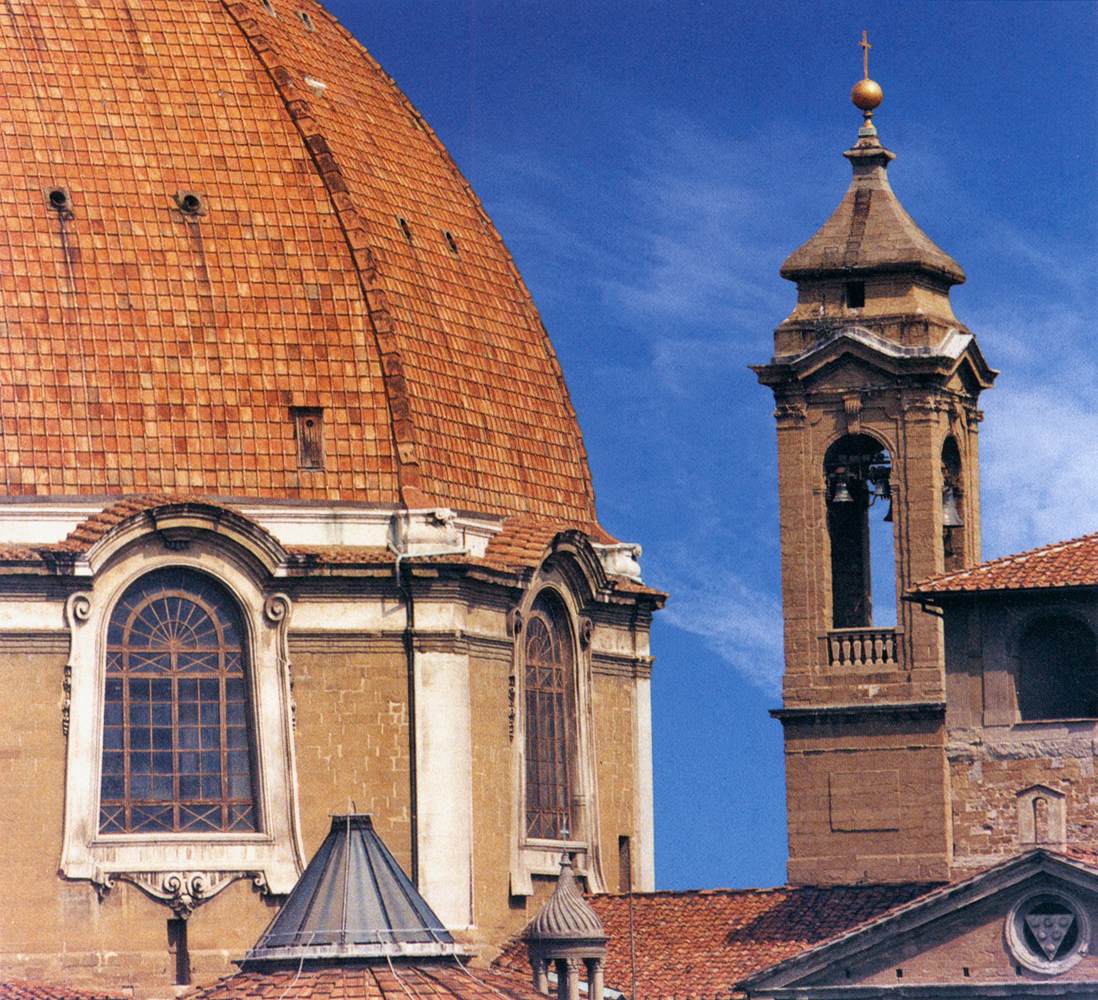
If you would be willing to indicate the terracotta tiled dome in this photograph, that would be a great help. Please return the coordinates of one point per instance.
(213, 214)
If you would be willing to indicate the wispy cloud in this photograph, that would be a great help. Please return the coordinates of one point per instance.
(739, 622)
(682, 259)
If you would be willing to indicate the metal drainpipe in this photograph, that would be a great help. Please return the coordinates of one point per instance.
(404, 585)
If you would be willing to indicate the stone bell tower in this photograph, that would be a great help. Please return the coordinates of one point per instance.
(876, 384)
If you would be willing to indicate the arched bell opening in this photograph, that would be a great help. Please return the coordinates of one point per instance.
(858, 472)
(953, 521)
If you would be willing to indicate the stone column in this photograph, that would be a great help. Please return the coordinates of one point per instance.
(541, 975)
(594, 978)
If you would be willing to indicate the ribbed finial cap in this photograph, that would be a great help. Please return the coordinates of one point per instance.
(566, 915)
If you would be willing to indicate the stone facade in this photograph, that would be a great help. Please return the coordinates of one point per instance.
(1017, 782)
(419, 727)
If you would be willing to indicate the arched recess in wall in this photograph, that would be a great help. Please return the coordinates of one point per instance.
(858, 473)
(953, 522)
(1057, 670)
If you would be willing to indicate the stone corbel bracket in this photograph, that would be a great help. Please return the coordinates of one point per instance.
(184, 892)
(77, 612)
(277, 610)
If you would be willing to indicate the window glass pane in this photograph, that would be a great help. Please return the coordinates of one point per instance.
(549, 722)
(174, 696)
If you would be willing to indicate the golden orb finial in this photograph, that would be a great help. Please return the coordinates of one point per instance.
(866, 94)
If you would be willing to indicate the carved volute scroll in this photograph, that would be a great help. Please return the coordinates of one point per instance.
(586, 631)
(277, 609)
(77, 612)
(183, 891)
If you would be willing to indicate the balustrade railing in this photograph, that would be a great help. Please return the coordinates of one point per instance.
(862, 648)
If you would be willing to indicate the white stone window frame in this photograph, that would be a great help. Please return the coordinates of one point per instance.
(535, 856)
(182, 869)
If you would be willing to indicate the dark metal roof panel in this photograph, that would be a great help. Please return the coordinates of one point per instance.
(353, 901)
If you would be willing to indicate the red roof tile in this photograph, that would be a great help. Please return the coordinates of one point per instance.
(147, 350)
(442, 980)
(1072, 563)
(19, 989)
(697, 945)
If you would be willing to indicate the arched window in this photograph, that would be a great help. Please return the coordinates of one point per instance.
(550, 722)
(858, 473)
(1057, 670)
(176, 746)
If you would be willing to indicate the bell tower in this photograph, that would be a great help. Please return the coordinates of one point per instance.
(876, 385)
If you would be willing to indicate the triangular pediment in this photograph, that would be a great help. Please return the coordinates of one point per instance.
(1012, 930)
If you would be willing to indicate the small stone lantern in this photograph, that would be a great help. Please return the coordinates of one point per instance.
(566, 932)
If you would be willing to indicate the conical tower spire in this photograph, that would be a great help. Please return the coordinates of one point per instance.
(870, 232)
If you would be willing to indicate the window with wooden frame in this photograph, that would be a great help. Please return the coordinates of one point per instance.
(176, 751)
(550, 721)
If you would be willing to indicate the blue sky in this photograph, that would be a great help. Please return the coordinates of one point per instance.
(650, 165)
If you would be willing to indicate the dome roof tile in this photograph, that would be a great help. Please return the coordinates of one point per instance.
(146, 349)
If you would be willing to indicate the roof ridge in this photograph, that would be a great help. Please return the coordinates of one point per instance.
(364, 259)
(531, 313)
(760, 890)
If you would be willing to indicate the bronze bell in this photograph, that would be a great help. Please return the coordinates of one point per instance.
(842, 492)
(951, 513)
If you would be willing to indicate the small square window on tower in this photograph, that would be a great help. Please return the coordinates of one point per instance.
(309, 431)
(855, 294)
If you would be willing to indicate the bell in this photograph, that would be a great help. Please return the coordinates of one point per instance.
(951, 513)
(842, 492)
(888, 513)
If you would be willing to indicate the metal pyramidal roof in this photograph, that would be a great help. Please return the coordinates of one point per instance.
(353, 901)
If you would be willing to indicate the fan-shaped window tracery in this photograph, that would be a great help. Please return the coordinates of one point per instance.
(176, 753)
(550, 722)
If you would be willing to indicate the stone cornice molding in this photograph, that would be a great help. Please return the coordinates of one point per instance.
(957, 349)
(836, 713)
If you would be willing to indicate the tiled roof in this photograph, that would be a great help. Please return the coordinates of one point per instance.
(696, 945)
(20, 989)
(524, 540)
(341, 262)
(441, 980)
(1072, 563)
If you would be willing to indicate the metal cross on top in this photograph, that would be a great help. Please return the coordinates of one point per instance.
(865, 46)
